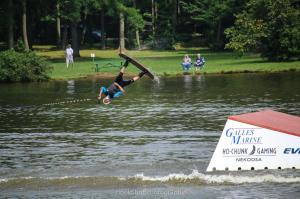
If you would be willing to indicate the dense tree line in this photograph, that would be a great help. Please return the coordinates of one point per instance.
(270, 27)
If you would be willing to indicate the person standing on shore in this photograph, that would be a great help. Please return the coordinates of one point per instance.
(69, 56)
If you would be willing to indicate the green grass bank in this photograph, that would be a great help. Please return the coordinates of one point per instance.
(162, 63)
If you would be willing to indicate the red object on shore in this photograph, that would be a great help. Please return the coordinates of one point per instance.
(272, 120)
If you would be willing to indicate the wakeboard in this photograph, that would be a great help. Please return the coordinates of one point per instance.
(137, 64)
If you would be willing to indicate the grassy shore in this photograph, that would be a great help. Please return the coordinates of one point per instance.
(163, 63)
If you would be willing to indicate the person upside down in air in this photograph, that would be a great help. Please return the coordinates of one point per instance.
(116, 89)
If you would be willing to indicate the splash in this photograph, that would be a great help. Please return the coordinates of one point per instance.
(195, 178)
(200, 178)
(156, 79)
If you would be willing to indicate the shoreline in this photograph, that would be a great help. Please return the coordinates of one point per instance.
(163, 64)
(166, 75)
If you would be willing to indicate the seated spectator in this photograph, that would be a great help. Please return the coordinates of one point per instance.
(199, 62)
(187, 63)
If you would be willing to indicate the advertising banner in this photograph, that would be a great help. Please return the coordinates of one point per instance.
(248, 147)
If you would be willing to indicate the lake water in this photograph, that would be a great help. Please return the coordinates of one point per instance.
(56, 141)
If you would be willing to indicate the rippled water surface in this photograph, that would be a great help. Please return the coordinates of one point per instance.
(56, 141)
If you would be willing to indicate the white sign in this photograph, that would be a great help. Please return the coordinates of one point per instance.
(247, 147)
(92, 55)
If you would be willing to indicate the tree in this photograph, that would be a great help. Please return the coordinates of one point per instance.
(153, 15)
(24, 24)
(175, 8)
(122, 31)
(246, 34)
(122, 10)
(88, 6)
(164, 23)
(98, 6)
(137, 34)
(10, 14)
(135, 24)
(269, 27)
(213, 16)
(51, 13)
(103, 35)
(71, 13)
(58, 39)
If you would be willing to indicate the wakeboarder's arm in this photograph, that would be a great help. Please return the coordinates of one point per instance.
(119, 87)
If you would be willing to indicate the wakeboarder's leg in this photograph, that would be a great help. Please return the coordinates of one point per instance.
(124, 66)
(141, 74)
(100, 94)
(106, 100)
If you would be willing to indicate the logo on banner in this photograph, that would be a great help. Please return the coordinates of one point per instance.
(248, 159)
(240, 136)
(291, 151)
(252, 151)
(246, 145)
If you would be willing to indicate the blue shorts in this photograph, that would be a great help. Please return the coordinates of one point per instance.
(186, 66)
(114, 95)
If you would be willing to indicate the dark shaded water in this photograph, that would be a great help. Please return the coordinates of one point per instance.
(154, 142)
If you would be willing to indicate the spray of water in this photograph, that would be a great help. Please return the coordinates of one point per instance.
(156, 79)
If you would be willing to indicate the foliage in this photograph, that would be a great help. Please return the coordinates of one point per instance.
(165, 34)
(20, 47)
(269, 27)
(164, 37)
(245, 35)
(22, 66)
(71, 10)
(213, 16)
(134, 19)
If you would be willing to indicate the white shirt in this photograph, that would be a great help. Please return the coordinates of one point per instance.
(69, 52)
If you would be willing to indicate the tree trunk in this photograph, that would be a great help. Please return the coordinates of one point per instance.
(103, 33)
(24, 24)
(58, 39)
(153, 17)
(219, 31)
(174, 14)
(85, 13)
(156, 10)
(122, 32)
(10, 24)
(31, 26)
(75, 41)
(218, 45)
(65, 36)
(137, 34)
